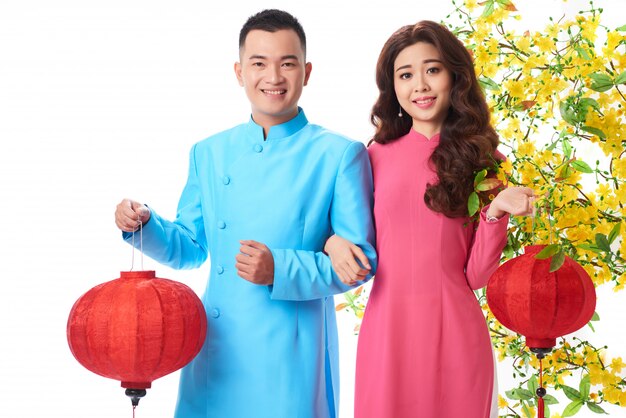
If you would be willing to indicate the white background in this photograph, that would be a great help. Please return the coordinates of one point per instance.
(102, 100)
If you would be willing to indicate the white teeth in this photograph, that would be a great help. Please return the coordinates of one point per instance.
(274, 92)
(424, 101)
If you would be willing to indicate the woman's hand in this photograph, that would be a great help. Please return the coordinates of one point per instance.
(343, 256)
(518, 201)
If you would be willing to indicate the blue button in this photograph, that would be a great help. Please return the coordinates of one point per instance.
(215, 313)
(221, 224)
(220, 269)
(258, 148)
(226, 180)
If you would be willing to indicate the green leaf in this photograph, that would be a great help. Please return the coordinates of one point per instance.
(595, 317)
(473, 203)
(621, 79)
(526, 410)
(557, 261)
(581, 51)
(587, 102)
(488, 184)
(597, 132)
(601, 82)
(591, 326)
(603, 243)
(489, 8)
(572, 408)
(581, 166)
(596, 408)
(488, 84)
(532, 384)
(571, 393)
(567, 149)
(614, 232)
(548, 252)
(621, 28)
(589, 247)
(550, 400)
(584, 387)
(519, 394)
(568, 113)
(480, 176)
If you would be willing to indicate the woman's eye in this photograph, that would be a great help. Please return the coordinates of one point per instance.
(405, 76)
(433, 70)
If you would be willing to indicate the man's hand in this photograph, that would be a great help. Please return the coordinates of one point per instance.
(129, 215)
(255, 263)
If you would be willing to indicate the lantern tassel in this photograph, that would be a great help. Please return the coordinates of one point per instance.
(541, 391)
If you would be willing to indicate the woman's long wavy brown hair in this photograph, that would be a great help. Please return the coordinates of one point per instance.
(467, 140)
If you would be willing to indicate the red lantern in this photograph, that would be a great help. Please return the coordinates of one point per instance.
(136, 329)
(527, 298)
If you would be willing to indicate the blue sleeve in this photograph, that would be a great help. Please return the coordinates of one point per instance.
(306, 275)
(180, 244)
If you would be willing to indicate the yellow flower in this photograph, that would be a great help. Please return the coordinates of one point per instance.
(612, 394)
(544, 43)
(515, 88)
(470, 5)
(617, 365)
(529, 412)
(502, 403)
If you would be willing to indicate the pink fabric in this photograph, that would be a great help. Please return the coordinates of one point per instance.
(424, 349)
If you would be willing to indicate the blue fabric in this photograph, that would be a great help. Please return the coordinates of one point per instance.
(270, 351)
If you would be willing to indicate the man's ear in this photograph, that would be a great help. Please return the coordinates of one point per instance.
(238, 73)
(307, 72)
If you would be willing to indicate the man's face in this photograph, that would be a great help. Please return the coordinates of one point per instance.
(272, 70)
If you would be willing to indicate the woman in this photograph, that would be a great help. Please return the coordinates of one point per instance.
(424, 348)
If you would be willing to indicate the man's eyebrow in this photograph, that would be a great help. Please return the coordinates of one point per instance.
(263, 57)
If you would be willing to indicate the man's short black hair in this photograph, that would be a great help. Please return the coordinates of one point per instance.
(272, 20)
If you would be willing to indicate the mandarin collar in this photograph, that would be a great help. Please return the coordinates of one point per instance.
(277, 132)
(421, 137)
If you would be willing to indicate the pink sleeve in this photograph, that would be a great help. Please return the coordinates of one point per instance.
(486, 250)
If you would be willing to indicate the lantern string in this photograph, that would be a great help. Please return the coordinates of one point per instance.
(134, 407)
(540, 402)
(132, 257)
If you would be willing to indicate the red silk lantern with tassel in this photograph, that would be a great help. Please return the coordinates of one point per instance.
(541, 305)
(136, 329)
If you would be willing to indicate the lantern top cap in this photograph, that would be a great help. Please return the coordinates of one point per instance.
(141, 274)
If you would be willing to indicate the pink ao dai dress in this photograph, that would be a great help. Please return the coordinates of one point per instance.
(424, 349)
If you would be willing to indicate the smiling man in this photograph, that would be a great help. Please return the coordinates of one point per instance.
(261, 200)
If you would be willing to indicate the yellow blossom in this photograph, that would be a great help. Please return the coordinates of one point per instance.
(617, 365)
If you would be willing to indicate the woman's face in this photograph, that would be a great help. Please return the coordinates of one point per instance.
(423, 86)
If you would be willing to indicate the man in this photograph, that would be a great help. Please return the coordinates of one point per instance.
(262, 198)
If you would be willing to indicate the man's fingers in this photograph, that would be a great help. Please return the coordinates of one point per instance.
(254, 244)
(243, 268)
